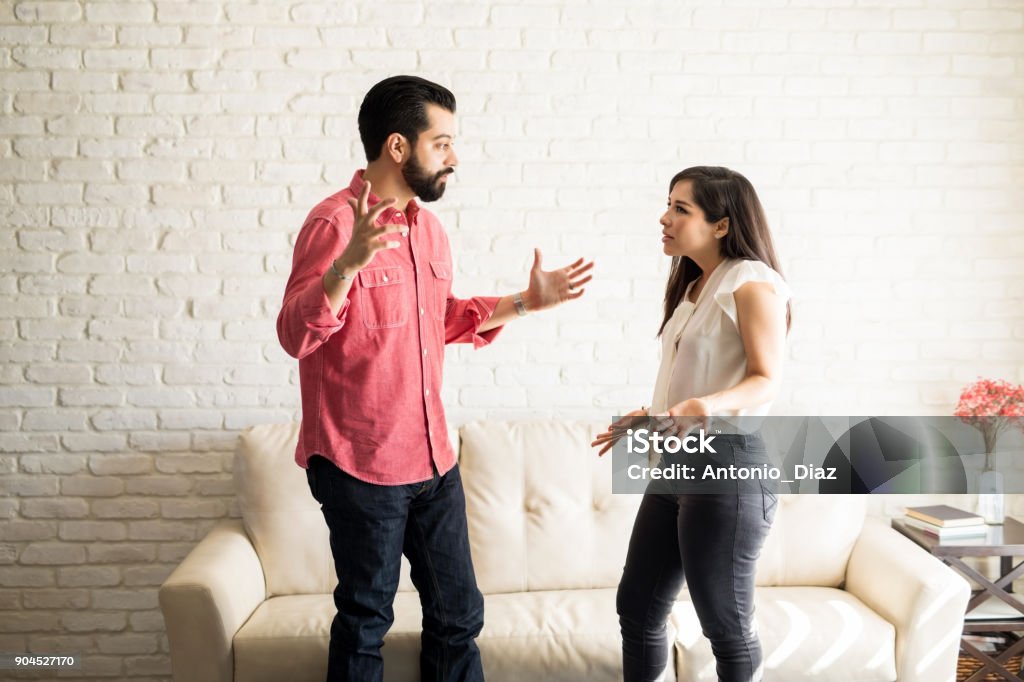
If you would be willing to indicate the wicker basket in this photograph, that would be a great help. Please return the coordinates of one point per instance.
(968, 665)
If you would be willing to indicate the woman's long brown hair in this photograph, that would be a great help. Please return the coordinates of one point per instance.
(723, 193)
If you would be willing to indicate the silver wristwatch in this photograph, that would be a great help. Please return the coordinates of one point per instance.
(517, 301)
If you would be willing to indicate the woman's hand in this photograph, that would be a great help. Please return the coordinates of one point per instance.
(617, 430)
(682, 417)
(549, 288)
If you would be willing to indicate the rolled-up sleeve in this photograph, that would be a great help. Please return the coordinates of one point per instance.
(463, 317)
(306, 321)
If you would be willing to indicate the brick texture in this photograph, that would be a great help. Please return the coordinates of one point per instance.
(157, 159)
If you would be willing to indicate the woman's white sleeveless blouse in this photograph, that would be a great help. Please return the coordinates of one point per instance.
(701, 348)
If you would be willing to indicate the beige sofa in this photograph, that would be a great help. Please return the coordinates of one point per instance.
(840, 597)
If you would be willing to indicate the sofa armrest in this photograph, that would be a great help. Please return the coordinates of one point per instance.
(207, 599)
(922, 597)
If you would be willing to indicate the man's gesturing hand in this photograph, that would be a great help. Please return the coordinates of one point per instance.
(549, 288)
(367, 239)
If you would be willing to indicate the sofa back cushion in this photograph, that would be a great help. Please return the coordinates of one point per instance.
(283, 520)
(540, 508)
(542, 515)
(541, 511)
(811, 540)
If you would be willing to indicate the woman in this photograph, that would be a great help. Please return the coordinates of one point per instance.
(723, 338)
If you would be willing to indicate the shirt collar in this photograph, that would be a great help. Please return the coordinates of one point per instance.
(388, 216)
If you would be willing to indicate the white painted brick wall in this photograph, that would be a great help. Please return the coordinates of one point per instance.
(157, 159)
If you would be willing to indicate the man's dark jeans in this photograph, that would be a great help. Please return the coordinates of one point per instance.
(371, 526)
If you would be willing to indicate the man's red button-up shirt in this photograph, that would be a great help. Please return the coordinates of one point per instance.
(370, 376)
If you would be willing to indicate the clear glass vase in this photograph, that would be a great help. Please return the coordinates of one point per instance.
(991, 500)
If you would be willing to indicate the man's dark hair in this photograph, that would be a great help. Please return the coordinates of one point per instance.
(399, 105)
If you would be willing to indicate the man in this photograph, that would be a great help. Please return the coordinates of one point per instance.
(367, 311)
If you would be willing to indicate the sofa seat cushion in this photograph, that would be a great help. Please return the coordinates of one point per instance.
(807, 633)
(557, 636)
(553, 636)
(285, 640)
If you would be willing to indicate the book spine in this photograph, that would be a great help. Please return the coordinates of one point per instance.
(924, 517)
(946, 533)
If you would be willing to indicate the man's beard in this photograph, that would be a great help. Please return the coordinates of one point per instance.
(427, 186)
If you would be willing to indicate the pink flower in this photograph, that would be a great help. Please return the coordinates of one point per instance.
(987, 403)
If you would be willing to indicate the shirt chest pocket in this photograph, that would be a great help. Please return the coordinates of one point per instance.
(383, 297)
(442, 286)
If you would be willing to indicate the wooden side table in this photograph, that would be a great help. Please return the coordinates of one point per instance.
(1006, 542)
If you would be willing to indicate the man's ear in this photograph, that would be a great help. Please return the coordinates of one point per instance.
(722, 228)
(397, 147)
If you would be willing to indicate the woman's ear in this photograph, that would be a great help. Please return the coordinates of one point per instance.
(722, 228)
(397, 147)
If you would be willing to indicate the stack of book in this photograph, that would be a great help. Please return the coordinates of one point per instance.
(945, 522)
(988, 644)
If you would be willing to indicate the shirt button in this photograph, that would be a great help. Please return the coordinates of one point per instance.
(398, 213)
(421, 311)
(385, 278)
(424, 352)
(427, 392)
